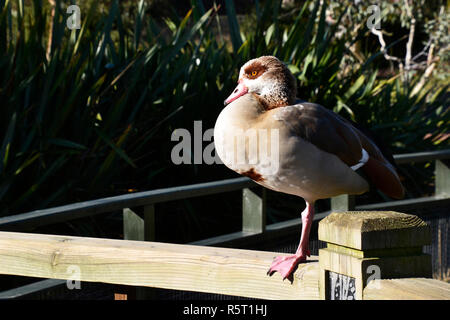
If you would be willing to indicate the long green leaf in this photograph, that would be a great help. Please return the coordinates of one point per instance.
(115, 147)
(4, 152)
(235, 33)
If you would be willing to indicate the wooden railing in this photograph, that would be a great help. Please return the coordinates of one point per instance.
(162, 265)
(141, 226)
(350, 254)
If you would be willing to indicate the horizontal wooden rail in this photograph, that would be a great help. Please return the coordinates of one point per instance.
(407, 289)
(138, 263)
(291, 227)
(31, 288)
(88, 208)
(422, 156)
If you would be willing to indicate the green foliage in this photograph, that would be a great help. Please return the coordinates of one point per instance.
(93, 116)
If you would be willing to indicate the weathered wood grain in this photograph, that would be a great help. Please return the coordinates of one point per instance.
(364, 230)
(367, 244)
(171, 266)
(407, 289)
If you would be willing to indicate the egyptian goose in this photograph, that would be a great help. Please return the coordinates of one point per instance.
(313, 151)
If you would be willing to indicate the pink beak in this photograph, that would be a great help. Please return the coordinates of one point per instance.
(240, 90)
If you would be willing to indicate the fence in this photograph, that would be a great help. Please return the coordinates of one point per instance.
(348, 257)
(138, 227)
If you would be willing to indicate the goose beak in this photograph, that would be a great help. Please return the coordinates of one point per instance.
(240, 90)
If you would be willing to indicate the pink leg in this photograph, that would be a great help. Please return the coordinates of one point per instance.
(287, 265)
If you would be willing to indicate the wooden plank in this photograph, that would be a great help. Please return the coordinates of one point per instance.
(31, 288)
(399, 205)
(421, 156)
(171, 266)
(365, 230)
(25, 221)
(407, 289)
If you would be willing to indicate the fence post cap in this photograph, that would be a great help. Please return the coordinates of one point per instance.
(364, 230)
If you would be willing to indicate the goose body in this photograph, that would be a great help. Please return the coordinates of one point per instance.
(300, 167)
(295, 147)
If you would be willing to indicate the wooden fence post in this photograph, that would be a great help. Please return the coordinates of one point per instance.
(442, 173)
(253, 211)
(442, 183)
(139, 227)
(364, 246)
(343, 202)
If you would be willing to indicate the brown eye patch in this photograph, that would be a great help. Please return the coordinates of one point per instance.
(254, 70)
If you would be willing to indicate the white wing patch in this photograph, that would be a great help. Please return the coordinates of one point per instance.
(364, 159)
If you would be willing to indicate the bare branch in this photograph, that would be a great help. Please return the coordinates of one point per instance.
(424, 50)
(431, 64)
(50, 33)
(379, 34)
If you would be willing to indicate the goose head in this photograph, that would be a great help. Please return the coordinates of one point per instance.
(269, 79)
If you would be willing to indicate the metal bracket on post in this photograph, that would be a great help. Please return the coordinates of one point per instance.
(253, 211)
(343, 202)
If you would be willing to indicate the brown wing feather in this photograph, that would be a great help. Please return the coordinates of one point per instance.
(380, 171)
(334, 134)
(322, 128)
